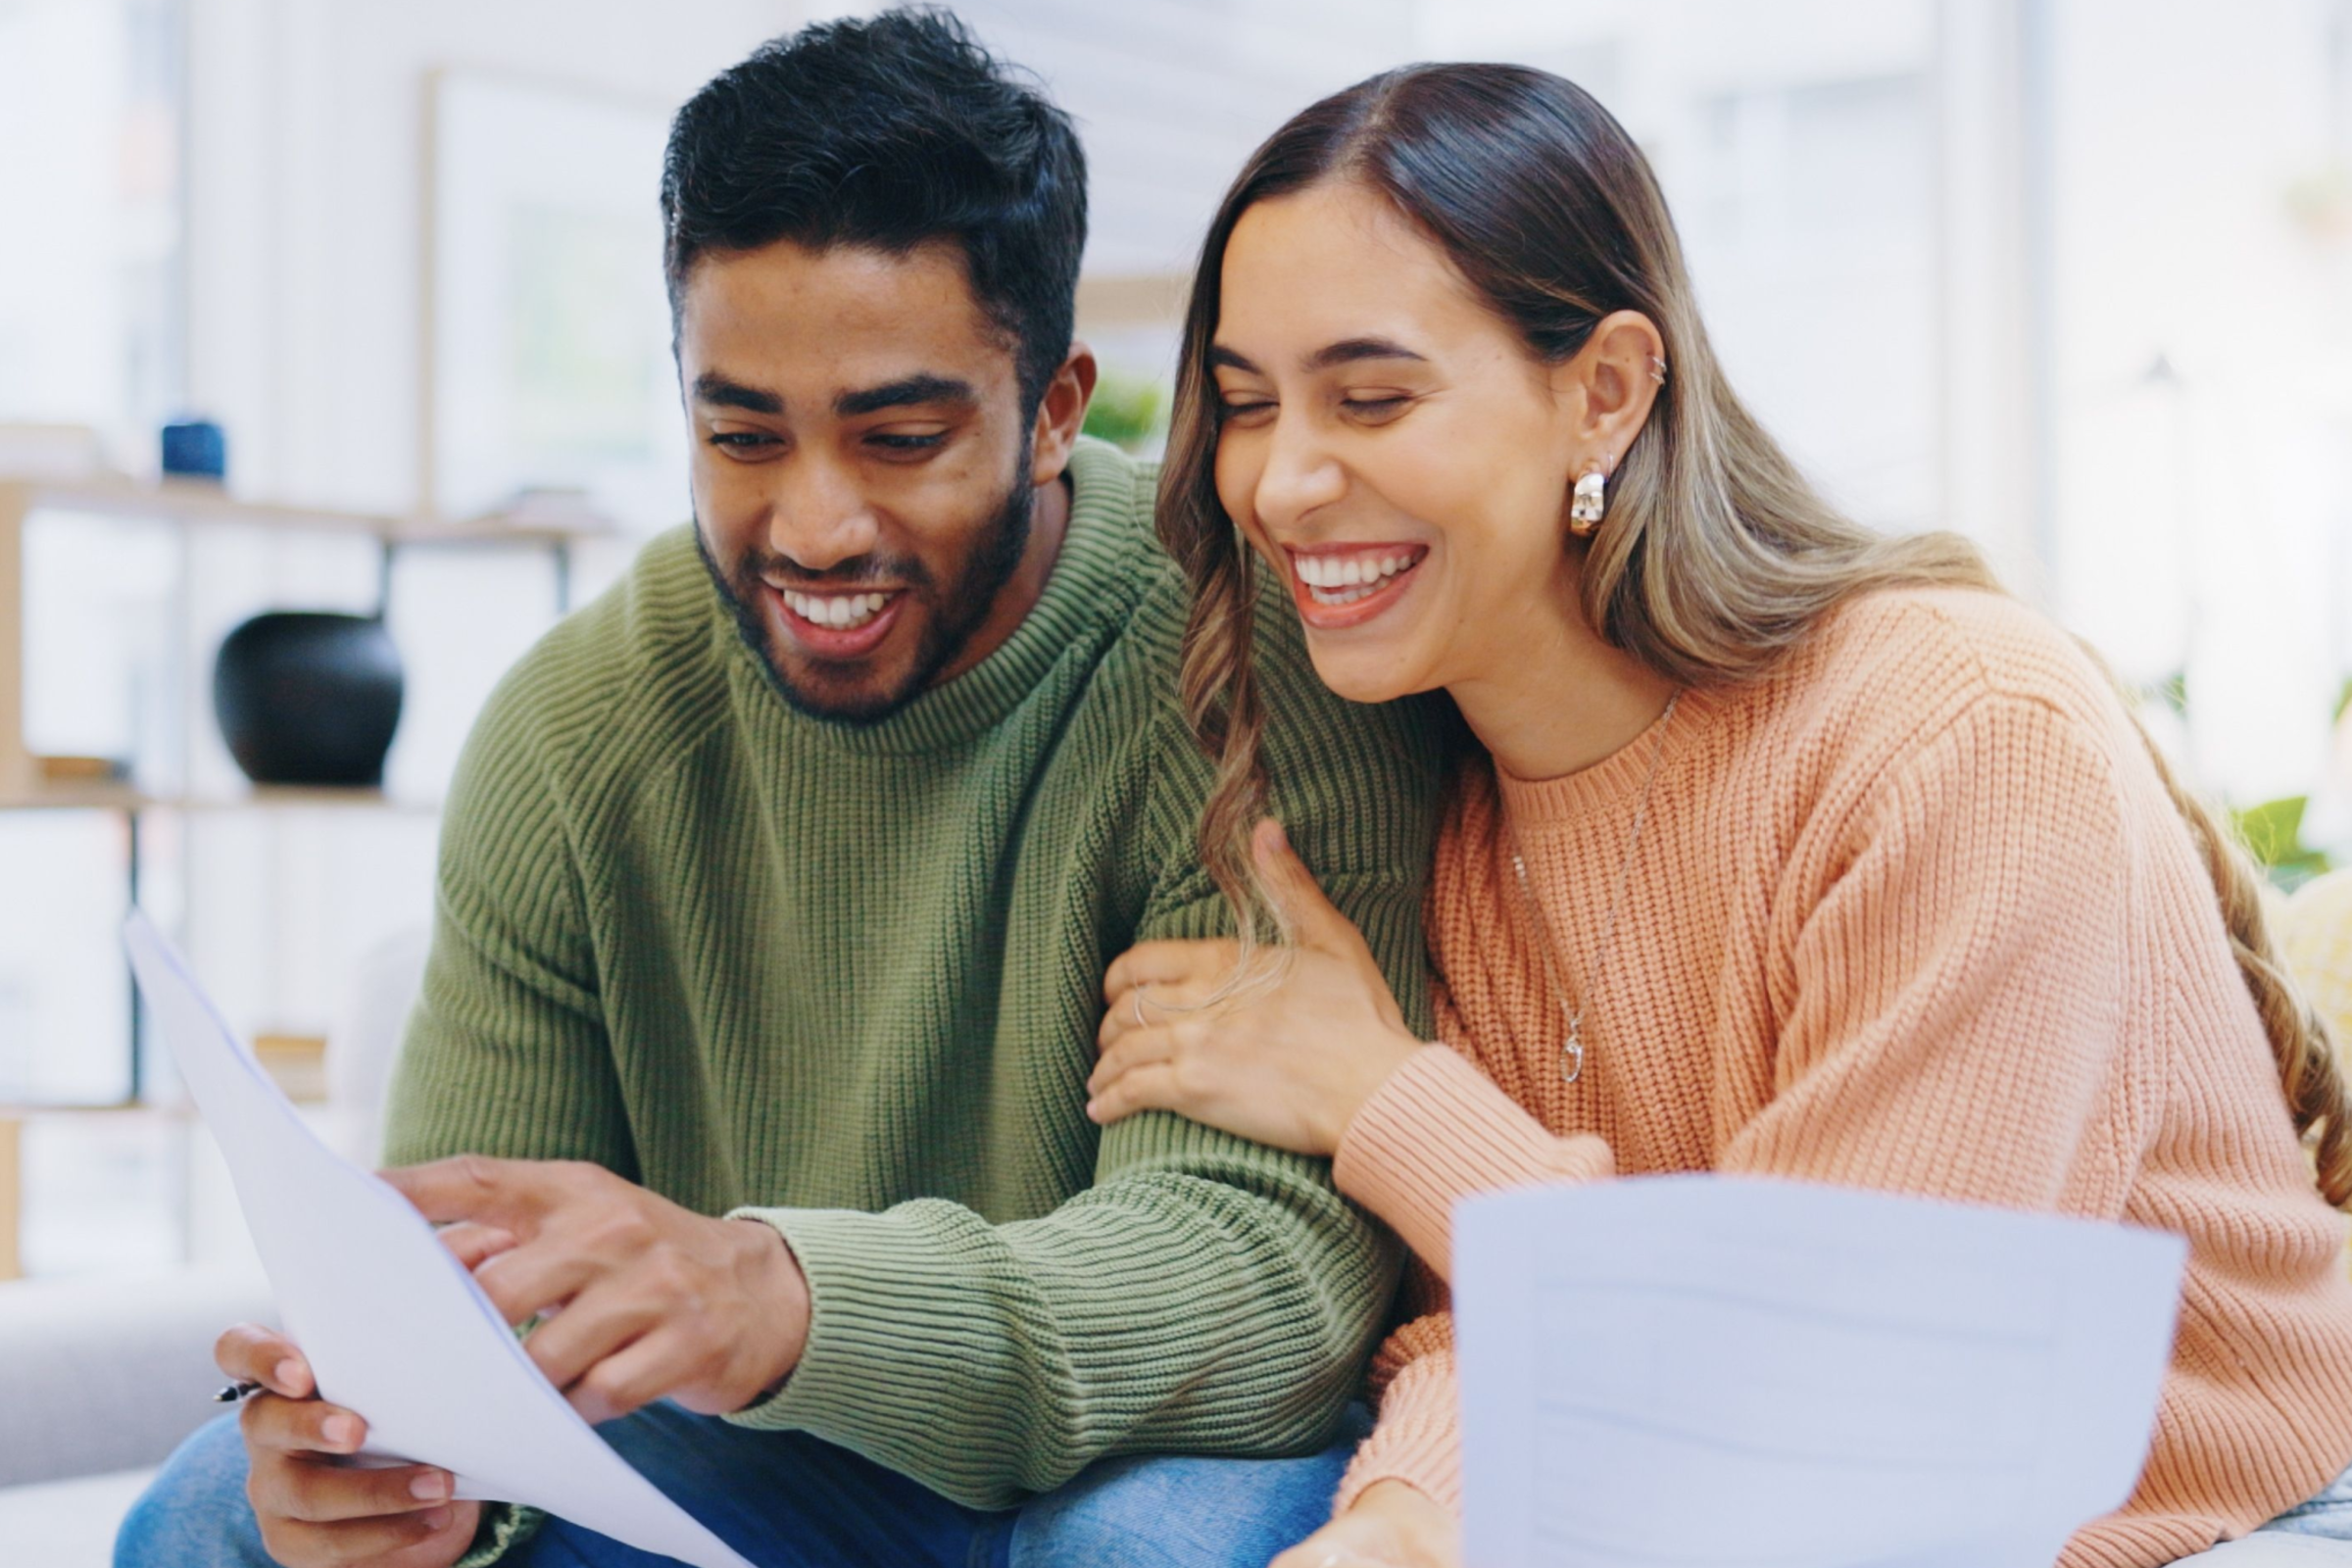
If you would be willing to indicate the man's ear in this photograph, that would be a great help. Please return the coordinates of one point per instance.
(1062, 413)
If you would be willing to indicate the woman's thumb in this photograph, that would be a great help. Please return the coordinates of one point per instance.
(1316, 920)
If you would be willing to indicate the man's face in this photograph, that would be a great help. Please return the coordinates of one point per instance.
(861, 470)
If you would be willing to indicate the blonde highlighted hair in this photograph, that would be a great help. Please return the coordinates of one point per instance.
(1716, 556)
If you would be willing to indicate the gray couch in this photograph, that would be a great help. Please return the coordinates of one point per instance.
(101, 1378)
(99, 1381)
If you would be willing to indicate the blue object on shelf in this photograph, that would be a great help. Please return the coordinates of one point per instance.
(195, 449)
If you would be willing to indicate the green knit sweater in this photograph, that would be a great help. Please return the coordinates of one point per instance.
(846, 978)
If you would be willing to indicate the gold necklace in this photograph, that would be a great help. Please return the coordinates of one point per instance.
(1572, 1048)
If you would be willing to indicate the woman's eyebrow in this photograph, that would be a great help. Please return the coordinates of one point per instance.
(1350, 350)
(1345, 352)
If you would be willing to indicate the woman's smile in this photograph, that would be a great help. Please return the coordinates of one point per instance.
(1336, 586)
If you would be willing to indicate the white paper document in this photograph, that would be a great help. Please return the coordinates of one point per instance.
(1699, 1370)
(394, 1326)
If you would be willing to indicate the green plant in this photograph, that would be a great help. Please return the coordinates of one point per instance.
(2273, 832)
(1127, 411)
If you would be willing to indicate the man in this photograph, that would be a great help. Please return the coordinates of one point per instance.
(776, 893)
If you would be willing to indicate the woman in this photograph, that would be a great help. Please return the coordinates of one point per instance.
(1782, 848)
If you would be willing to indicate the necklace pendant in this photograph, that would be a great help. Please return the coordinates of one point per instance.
(1572, 1056)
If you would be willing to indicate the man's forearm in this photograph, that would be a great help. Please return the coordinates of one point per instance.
(1224, 1314)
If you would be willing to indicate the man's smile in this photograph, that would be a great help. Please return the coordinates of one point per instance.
(836, 624)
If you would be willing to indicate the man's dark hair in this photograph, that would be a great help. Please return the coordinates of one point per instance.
(888, 133)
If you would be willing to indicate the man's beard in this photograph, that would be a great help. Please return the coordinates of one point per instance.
(954, 617)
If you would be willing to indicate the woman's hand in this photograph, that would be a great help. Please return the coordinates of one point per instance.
(1390, 1524)
(1286, 1060)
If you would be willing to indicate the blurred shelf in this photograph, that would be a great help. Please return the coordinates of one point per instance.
(543, 521)
(72, 798)
(268, 796)
(21, 1111)
(191, 501)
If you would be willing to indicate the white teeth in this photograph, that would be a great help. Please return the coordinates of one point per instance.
(840, 612)
(1343, 579)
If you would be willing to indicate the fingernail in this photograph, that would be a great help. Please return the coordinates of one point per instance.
(340, 1429)
(1093, 1111)
(431, 1487)
(288, 1373)
(438, 1520)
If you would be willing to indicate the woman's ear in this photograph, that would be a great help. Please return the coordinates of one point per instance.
(1610, 384)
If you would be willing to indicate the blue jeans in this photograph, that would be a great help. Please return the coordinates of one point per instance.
(788, 1500)
(2310, 1534)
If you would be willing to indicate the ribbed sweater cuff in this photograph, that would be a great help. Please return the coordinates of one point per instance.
(2121, 1541)
(1418, 1441)
(870, 1327)
(504, 1527)
(1439, 1131)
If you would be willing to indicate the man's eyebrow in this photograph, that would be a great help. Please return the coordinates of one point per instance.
(716, 389)
(905, 392)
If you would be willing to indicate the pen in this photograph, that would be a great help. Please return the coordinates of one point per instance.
(239, 1390)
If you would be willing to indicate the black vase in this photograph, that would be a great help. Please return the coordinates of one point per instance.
(307, 697)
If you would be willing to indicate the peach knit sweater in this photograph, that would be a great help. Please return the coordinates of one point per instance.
(1913, 914)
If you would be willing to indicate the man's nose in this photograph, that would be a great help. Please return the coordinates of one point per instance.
(819, 516)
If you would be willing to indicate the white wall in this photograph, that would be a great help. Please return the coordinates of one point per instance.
(2202, 518)
(304, 149)
(1801, 148)
(1170, 97)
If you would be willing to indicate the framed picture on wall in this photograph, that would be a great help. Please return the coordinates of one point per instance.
(546, 330)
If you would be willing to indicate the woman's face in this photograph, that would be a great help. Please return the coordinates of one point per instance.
(1390, 446)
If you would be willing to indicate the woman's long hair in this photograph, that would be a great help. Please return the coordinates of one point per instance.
(1716, 556)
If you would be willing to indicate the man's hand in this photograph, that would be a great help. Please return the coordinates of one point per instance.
(641, 1300)
(313, 1511)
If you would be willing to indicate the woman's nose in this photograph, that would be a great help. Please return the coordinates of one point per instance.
(1301, 475)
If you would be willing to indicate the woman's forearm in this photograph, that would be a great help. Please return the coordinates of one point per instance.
(1439, 1131)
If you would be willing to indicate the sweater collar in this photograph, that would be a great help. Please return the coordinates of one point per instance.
(1538, 805)
(1097, 579)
